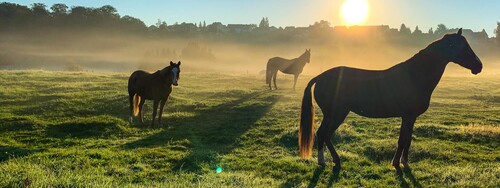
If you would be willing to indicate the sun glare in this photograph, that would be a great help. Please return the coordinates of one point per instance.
(354, 11)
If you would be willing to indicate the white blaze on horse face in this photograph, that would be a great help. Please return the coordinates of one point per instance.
(175, 71)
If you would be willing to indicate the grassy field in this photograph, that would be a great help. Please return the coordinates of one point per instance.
(60, 129)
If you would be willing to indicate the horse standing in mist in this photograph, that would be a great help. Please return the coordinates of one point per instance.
(403, 90)
(157, 87)
(287, 66)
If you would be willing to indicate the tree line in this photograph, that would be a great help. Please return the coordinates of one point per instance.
(39, 18)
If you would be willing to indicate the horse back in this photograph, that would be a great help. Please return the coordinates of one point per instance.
(149, 86)
(286, 66)
(380, 93)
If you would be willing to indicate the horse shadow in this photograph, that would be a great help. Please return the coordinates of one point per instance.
(15, 125)
(406, 171)
(212, 132)
(11, 152)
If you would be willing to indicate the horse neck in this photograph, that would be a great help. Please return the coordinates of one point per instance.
(426, 69)
(301, 60)
(165, 74)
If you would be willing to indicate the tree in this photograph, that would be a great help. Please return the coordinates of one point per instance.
(404, 30)
(40, 13)
(39, 9)
(417, 31)
(497, 33)
(321, 24)
(161, 25)
(264, 23)
(441, 29)
(108, 10)
(59, 9)
(133, 24)
(431, 31)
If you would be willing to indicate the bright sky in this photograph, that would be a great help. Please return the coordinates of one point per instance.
(471, 14)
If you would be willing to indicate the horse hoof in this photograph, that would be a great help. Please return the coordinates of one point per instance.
(404, 163)
(396, 167)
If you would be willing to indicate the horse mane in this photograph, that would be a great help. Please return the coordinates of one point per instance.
(426, 55)
(165, 70)
(301, 58)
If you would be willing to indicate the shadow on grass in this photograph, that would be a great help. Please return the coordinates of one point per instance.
(406, 171)
(16, 124)
(316, 175)
(211, 132)
(10, 152)
(97, 126)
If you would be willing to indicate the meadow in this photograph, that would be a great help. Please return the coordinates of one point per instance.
(70, 129)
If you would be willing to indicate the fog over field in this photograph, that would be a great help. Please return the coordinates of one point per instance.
(72, 113)
(98, 50)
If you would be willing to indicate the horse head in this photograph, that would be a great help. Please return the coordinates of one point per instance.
(307, 55)
(175, 72)
(457, 50)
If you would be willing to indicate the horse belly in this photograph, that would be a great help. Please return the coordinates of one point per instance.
(371, 100)
(376, 111)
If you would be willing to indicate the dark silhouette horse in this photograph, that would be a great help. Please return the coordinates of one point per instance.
(157, 87)
(403, 90)
(287, 66)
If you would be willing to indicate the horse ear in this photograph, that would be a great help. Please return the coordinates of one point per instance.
(171, 63)
(459, 31)
(179, 63)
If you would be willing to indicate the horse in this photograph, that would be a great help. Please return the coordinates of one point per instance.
(403, 90)
(144, 86)
(287, 66)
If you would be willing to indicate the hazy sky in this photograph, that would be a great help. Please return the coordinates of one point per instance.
(472, 14)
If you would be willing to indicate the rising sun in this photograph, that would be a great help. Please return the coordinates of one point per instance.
(354, 11)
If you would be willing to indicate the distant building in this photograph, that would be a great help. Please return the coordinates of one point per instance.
(184, 28)
(217, 27)
(241, 28)
(377, 30)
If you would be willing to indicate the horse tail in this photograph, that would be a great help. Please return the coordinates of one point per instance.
(268, 73)
(306, 128)
(137, 99)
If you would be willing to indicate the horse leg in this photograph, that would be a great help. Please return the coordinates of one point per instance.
(275, 73)
(406, 148)
(333, 125)
(141, 115)
(155, 108)
(322, 131)
(404, 139)
(269, 76)
(131, 101)
(160, 113)
(295, 76)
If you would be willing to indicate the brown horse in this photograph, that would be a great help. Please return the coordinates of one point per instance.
(403, 90)
(157, 87)
(287, 66)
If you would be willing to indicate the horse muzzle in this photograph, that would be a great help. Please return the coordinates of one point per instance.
(476, 70)
(478, 66)
(175, 84)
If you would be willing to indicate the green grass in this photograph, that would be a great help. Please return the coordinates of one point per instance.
(60, 129)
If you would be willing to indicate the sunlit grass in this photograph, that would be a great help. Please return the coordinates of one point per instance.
(62, 129)
(481, 130)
